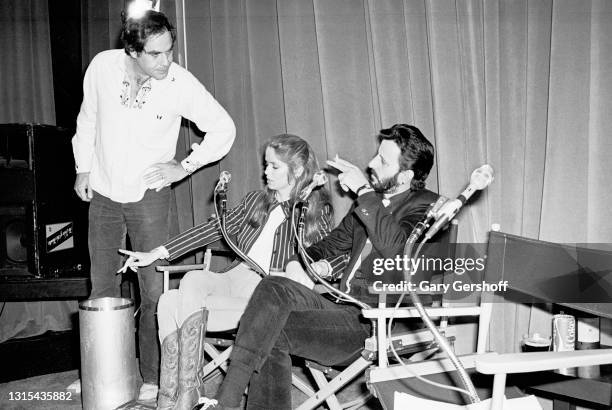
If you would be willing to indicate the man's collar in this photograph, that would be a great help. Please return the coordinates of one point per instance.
(389, 196)
(399, 197)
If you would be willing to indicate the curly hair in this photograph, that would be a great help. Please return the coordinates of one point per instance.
(136, 31)
(417, 153)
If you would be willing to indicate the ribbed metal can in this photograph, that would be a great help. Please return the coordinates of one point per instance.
(108, 353)
(564, 338)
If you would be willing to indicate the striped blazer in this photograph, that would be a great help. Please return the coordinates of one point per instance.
(244, 234)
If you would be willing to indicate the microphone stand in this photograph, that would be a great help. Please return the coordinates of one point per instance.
(314, 275)
(408, 248)
(222, 217)
(416, 301)
(415, 234)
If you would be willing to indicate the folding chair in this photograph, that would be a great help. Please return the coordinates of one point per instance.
(219, 348)
(330, 380)
(396, 385)
(397, 388)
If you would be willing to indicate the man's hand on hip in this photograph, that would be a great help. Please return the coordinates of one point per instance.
(163, 174)
(82, 187)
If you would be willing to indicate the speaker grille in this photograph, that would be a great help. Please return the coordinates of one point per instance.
(16, 238)
(13, 239)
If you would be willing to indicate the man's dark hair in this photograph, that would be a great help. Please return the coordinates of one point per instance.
(136, 31)
(417, 153)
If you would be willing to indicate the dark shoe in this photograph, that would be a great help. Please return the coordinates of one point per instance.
(169, 368)
(191, 346)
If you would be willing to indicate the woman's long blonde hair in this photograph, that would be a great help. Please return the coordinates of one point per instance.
(296, 153)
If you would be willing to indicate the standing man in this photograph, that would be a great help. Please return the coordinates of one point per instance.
(124, 148)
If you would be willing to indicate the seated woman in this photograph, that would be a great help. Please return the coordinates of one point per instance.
(261, 227)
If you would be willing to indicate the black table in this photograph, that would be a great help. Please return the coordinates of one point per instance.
(29, 288)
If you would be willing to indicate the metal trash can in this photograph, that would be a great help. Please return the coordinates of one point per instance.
(108, 353)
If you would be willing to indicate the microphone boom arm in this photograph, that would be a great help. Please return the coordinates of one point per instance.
(314, 275)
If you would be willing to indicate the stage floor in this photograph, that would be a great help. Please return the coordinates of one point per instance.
(57, 382)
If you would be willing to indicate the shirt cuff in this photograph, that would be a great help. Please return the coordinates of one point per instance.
(196, 160)
(162, 252)
(82, 169)
(338, 264)
(191, 165)
(330, 269)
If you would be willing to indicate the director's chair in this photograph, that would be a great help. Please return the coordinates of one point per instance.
(217, 348)
(331, 379)
(494, 375)
(414, 343)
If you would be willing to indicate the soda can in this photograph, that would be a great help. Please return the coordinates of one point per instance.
(587, 337)
(564, 338)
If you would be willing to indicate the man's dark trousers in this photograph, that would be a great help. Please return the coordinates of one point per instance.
(284, 317)
(146, 222)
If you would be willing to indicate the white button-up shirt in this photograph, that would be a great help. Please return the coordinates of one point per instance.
(117, 142)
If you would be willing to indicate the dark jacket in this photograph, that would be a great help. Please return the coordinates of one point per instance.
(387, 227)
(244, 234)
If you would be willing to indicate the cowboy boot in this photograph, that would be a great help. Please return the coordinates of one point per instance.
(169, 368)
(191, 345)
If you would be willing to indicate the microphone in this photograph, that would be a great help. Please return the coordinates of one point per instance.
(480, 179)
(318, 179)
(221, 191)
(433, 210)
(435, 207)
(224, 180)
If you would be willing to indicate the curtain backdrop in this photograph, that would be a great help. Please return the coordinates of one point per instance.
(522, 85)
(26, 77)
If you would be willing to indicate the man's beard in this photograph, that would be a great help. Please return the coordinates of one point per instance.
(384, 186)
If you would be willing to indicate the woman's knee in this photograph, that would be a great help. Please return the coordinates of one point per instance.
(166, 312)
(191, 278)
(168, 302)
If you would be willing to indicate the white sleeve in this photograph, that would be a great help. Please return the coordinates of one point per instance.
(83, 141)
(209, 116)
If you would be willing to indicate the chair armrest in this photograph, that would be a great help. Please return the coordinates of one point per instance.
(178, 268)
(539, 361)
(168, 269)
(407, 312)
